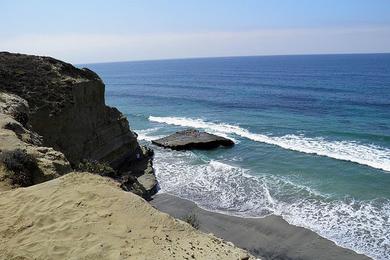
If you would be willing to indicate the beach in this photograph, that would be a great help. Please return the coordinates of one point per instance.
(270, 237)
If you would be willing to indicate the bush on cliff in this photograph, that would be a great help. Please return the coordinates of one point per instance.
(192, 220)
(20, 167)
(96, 167)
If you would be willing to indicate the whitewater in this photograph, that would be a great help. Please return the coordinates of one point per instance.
(228, 189)
(370, 155)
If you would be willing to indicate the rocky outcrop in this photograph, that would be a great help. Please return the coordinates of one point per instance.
(14, 107)
(192, 139)
(67, 109)
(139, 177)
(15, 136)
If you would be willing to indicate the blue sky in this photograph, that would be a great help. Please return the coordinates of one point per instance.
(93, 31)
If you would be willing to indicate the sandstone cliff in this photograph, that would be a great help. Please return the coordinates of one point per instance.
(66, 107)
(15, 136)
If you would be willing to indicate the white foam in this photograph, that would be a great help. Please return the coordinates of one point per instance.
(145, 134)
(362, 226)
(370, 155)
(225, 135)
(359, 225)
(213, 184)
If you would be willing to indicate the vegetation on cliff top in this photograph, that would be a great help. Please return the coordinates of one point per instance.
(42, 81)
(20, 167)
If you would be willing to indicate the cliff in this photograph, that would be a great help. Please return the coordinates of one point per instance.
(67, 100)
(65, 107)
(14, 137)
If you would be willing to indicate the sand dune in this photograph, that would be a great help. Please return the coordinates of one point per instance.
(84, 216)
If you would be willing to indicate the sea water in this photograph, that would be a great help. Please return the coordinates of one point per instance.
(312, 137)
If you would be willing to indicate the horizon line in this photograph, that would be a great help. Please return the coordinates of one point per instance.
(235, 56)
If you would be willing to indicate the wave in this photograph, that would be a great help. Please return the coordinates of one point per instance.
(370, 155)
(217, 186)
(145, 134)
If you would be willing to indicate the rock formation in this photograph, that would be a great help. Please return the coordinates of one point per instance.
(192, 139)
(15, 136)
(67, 109)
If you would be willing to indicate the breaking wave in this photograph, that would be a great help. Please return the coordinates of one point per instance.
(360, 225)
(145, 134)
(370, 155)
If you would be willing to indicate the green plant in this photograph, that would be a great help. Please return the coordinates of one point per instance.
(192, 220)
(20, 167)
(102, 169)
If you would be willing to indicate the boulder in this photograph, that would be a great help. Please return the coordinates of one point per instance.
(149, 182)
(192, 139)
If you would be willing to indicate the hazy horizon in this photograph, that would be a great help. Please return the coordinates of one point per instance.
(238, 56)
(98, 31)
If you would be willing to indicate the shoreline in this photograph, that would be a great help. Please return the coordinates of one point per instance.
(270, 237)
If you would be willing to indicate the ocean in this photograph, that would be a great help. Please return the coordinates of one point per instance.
(311, 133)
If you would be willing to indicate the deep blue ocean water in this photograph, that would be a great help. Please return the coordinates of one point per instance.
(312, 137)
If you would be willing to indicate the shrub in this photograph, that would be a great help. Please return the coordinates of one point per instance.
(192, 220)
(20, 167)
(102, 169)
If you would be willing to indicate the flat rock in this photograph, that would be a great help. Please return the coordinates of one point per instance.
(192, 139)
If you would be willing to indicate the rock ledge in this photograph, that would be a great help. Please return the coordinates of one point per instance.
(192, 139)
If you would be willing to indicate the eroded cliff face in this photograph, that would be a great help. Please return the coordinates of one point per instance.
(67, 109)
(15, 136)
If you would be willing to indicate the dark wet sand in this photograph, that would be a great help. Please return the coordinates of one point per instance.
(269, 238)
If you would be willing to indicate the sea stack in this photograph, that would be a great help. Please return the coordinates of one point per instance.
(193, 139)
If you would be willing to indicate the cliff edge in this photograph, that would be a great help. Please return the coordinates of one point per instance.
(85, 216)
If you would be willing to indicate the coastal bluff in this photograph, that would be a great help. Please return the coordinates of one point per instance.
(67, 108)
(63, 109)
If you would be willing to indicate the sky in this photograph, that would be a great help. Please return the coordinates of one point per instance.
(86, 31)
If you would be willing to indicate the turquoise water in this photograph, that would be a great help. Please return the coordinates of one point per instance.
(312, 137)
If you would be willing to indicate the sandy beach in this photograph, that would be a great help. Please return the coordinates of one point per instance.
(269, 238)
